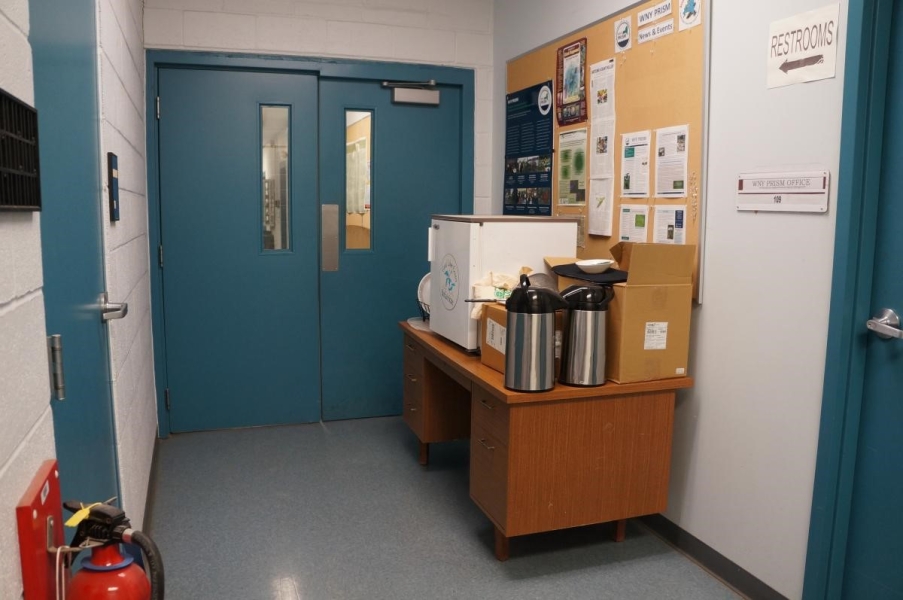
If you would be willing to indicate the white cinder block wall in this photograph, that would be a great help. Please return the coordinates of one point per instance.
(746, 434)
(122, 93)
(444, 32)
(26, 433)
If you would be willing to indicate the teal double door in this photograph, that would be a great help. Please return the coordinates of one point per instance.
(873, 567)
(303, 327)
(856, 536)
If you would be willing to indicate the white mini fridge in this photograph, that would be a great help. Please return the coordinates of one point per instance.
(466, 248)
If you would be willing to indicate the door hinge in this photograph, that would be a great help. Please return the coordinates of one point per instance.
(166, 399)
(160, 255)
(55, 357)
(158, 107)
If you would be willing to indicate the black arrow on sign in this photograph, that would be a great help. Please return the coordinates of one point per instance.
(803, 62)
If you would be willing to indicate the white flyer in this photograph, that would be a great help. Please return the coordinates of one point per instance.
(671, 161)
(635, 164)
(670, 225)
(602, 151)
(496, 335)
(633, 223)
(602, 89)
(601, 206)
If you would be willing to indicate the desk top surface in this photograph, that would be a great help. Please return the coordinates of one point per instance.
(469, 366)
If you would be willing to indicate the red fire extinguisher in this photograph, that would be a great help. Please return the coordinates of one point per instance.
(108, 574)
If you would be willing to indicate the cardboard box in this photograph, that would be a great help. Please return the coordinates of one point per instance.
(648, 327)
(493, 329)
(563, 282)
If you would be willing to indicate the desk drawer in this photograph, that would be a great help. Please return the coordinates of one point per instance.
(412, 409)
(412, 406)
(489, 474)
(413, 358)
(490, 414)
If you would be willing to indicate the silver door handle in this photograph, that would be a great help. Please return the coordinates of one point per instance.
(112, 310)
(886, 325)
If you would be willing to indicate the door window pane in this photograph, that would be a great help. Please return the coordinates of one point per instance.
(275, 165)
(358, 160)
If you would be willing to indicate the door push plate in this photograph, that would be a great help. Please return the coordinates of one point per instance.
(330, 232)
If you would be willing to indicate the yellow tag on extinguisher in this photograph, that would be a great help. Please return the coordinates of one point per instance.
(80, 515)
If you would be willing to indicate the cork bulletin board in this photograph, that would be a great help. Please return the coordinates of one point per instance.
(659, 83)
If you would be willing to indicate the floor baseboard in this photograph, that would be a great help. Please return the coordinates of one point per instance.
(708, 558)
(151, 487)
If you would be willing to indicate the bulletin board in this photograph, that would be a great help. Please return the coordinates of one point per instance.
(658, 84)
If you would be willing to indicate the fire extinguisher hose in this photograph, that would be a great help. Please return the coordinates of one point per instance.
(154, 562)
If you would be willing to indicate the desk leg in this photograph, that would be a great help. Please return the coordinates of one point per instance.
(424, 453)
(620, 530)
(501, 545)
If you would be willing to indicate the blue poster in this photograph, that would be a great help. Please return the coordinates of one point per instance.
(528, 151)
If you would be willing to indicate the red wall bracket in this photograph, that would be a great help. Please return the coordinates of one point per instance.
(39, 515)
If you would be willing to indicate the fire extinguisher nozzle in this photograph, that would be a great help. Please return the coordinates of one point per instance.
(154, 562)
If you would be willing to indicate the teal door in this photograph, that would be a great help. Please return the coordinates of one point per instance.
(259, 336)
(239, 256)
(874, 556)
(63, 40)
(412, 167)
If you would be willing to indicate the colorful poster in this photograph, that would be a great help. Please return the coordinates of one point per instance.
(571, 77)
(528, 151)
(572, 167)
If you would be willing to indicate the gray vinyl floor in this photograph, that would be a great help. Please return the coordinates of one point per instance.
(343, 510)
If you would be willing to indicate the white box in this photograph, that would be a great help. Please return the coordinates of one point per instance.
(466, 248)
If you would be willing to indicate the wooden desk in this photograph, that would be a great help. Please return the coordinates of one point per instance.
(542, 461)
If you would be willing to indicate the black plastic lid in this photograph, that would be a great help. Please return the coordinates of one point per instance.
(534, 300)
(588, 297)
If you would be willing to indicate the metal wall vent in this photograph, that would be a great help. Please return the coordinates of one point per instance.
(20, 182)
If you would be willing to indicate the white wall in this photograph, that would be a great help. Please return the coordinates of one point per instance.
(746, 434)
(122, 106)
(443, 32)
(26, 433)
